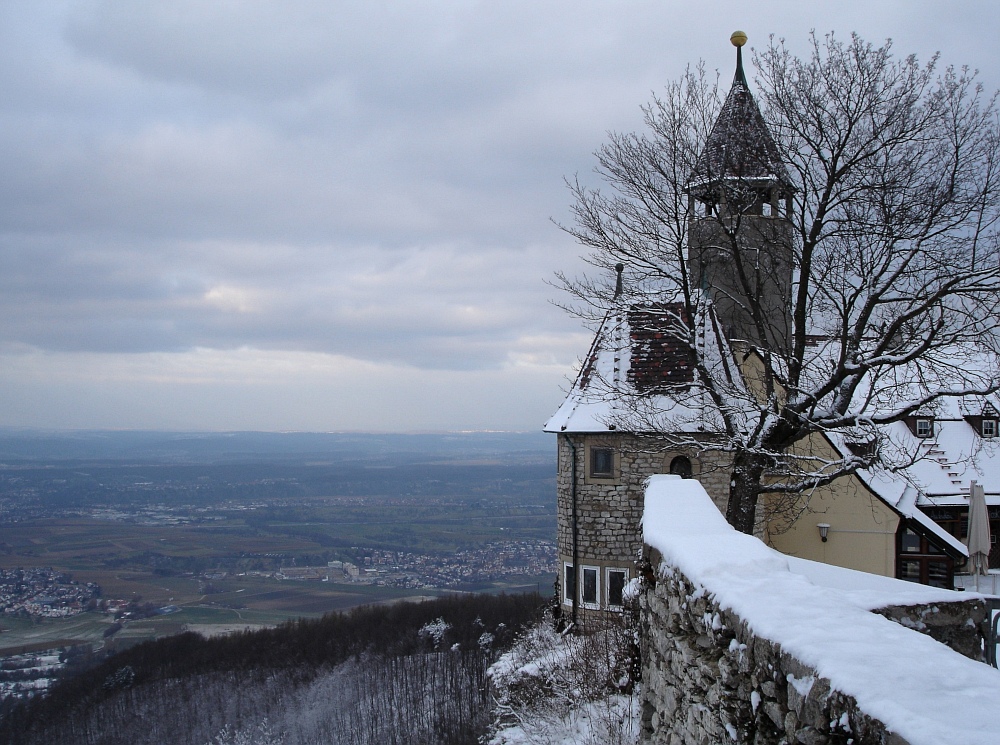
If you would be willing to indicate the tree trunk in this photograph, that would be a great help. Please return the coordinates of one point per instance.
(744, 488)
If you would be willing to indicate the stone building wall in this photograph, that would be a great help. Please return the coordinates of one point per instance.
(708, 679)
(609, 511)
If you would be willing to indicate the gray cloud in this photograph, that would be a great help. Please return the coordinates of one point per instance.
(365, 182)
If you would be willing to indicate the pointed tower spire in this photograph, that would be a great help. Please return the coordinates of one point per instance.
(739, 145)
(739, 182)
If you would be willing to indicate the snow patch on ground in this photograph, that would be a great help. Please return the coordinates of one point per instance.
(590, 723)
(555, 689)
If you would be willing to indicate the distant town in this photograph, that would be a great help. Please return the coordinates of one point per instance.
(45, 593)
(42, 592)
(495, 561)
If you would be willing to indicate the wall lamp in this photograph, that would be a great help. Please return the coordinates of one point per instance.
(824, 531)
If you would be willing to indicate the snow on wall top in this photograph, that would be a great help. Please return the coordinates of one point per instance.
(918, 687)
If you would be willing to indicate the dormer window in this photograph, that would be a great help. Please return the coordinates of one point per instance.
(989, 421)
(862, 449)
(924, 427)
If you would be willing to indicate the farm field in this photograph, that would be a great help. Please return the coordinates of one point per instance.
(212, 534)
(239, 603)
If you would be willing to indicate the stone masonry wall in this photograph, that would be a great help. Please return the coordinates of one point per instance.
(958, 625)
(609, 511)
(708, 679)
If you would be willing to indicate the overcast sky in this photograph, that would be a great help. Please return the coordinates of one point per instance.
(297, 215)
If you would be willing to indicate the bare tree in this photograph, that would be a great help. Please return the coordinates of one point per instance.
(840, 227)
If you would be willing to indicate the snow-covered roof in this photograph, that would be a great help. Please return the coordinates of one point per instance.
(919, 688)
(955, 455)
(639, 362)
(948, 462)
(636, 364)
(903, 496)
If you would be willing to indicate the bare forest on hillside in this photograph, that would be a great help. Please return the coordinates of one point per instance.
(407, 673)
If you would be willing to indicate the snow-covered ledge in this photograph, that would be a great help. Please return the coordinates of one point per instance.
(742, 644)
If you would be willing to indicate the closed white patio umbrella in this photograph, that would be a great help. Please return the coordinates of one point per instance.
(979, 532)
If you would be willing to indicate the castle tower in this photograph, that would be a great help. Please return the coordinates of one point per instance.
(741, 255)
(739, 235)
(739, 195)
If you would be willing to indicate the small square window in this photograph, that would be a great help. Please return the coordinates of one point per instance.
(989, 427)
(923, 428)
(602, 463)
(616, 586)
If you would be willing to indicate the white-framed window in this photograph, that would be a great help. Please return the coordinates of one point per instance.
(924, 427)
(590, 587)
(615, 580)
(989, 427)
(569, 583)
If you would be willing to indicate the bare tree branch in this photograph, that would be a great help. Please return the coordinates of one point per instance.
(842, 228)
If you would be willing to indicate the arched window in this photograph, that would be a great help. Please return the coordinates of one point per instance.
(681, 466)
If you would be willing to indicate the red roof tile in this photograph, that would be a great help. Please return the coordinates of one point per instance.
(661, 358)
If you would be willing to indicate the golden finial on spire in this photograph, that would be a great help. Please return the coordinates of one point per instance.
(739, 39)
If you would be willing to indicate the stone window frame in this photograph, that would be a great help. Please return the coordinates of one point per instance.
(614, 477)
(669, 457)
(607, 586)
(681, 465)
(596, 603)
